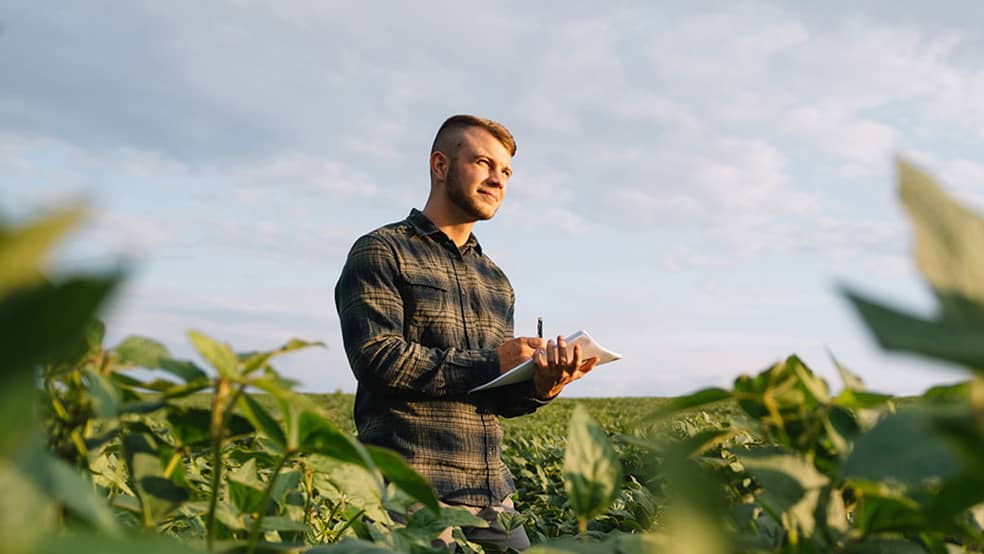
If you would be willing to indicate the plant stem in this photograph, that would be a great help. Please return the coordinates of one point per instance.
(217, 429)
(254, 532)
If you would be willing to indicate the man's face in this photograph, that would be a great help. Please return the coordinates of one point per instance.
(478, 173)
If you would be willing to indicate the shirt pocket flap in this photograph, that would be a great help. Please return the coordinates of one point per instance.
(427, 278)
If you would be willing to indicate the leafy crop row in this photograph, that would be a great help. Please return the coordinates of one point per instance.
(126, 448)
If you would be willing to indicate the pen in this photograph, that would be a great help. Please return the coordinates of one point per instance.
(539, 327)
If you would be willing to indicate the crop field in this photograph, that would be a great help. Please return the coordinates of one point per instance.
(225, 456)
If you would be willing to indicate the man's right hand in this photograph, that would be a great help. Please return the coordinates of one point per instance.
(516, 351)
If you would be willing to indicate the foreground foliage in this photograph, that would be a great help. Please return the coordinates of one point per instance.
(131, 448)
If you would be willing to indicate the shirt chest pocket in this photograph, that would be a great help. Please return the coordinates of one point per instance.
(429, 300)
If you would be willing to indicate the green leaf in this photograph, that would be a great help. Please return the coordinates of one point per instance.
(852, 382)
(184, 369)
(858, 400)
(949, 244)
(592, 471)
(349, 546)
(141, 351)
(880, 510)
(886, 546)
(24, 251)
(64, 484)
(256, 360)
(958, 494)
(953, 341)
(318, 436)
(262, 420)
(700, 398)
(791, 485)
(48, 322)
(246, 498)
(903, 447)
(88, 543)
(190, 426)
(812, 383)
(105, 397)
(281, 523)
(221, 356)
(398, 472)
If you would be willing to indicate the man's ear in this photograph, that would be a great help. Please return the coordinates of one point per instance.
(439, 165)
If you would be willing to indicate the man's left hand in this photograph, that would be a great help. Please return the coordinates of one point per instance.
(556, 366)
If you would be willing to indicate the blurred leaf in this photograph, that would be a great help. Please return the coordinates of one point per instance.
(880, 509)
(852, 382)
(812, 383)
(190, 426)
(953, 341)
(184, 369)
(791, 485)
(64, 484)
(47, 323)
(262, 420)
(903, 447)
(89, 543)
(221, 356)
(949, 244)
(860, 400)
(105, 397)
(702, 397)
(701, 442)
(349, 546)
(141, 351)
(398, 472)
(246, 498)
(956, 393)
(886, 546)
(256, 360)
(592, 471)
(317, 435)
(281, 523)
(24, 251)
(958, 494)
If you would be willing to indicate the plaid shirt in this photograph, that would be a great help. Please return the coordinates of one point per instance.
(421, 320)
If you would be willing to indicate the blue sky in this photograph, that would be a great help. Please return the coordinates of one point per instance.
(692, 182)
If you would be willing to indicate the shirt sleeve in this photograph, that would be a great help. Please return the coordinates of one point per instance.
(371, 312)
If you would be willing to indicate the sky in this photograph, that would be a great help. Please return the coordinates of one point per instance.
(693, 183)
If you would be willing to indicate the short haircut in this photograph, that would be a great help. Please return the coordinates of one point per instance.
(456, 123)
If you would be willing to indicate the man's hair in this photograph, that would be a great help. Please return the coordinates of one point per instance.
(455, 123)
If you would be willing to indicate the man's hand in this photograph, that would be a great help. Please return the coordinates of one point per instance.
(556, 366)
(516, 351)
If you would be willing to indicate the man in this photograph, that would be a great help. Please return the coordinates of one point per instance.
(426, 316)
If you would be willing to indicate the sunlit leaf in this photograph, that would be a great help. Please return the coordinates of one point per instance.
(949, 244)
(700, 398)
(592, 471)
(23, 251)
(221, 356)
(398, 472)
(262, 420)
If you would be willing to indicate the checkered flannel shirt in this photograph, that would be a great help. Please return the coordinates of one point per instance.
(421, 320)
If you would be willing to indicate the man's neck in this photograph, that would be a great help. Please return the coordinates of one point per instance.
(456, 229)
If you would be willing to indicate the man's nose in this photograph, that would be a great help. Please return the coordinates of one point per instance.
(498, 178)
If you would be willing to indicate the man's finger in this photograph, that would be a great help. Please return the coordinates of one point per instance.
(561, 351)
(551, 352)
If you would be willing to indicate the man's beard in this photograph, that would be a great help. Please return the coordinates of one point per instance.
(470, 205)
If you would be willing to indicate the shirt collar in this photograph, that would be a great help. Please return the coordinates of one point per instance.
(425, 227)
